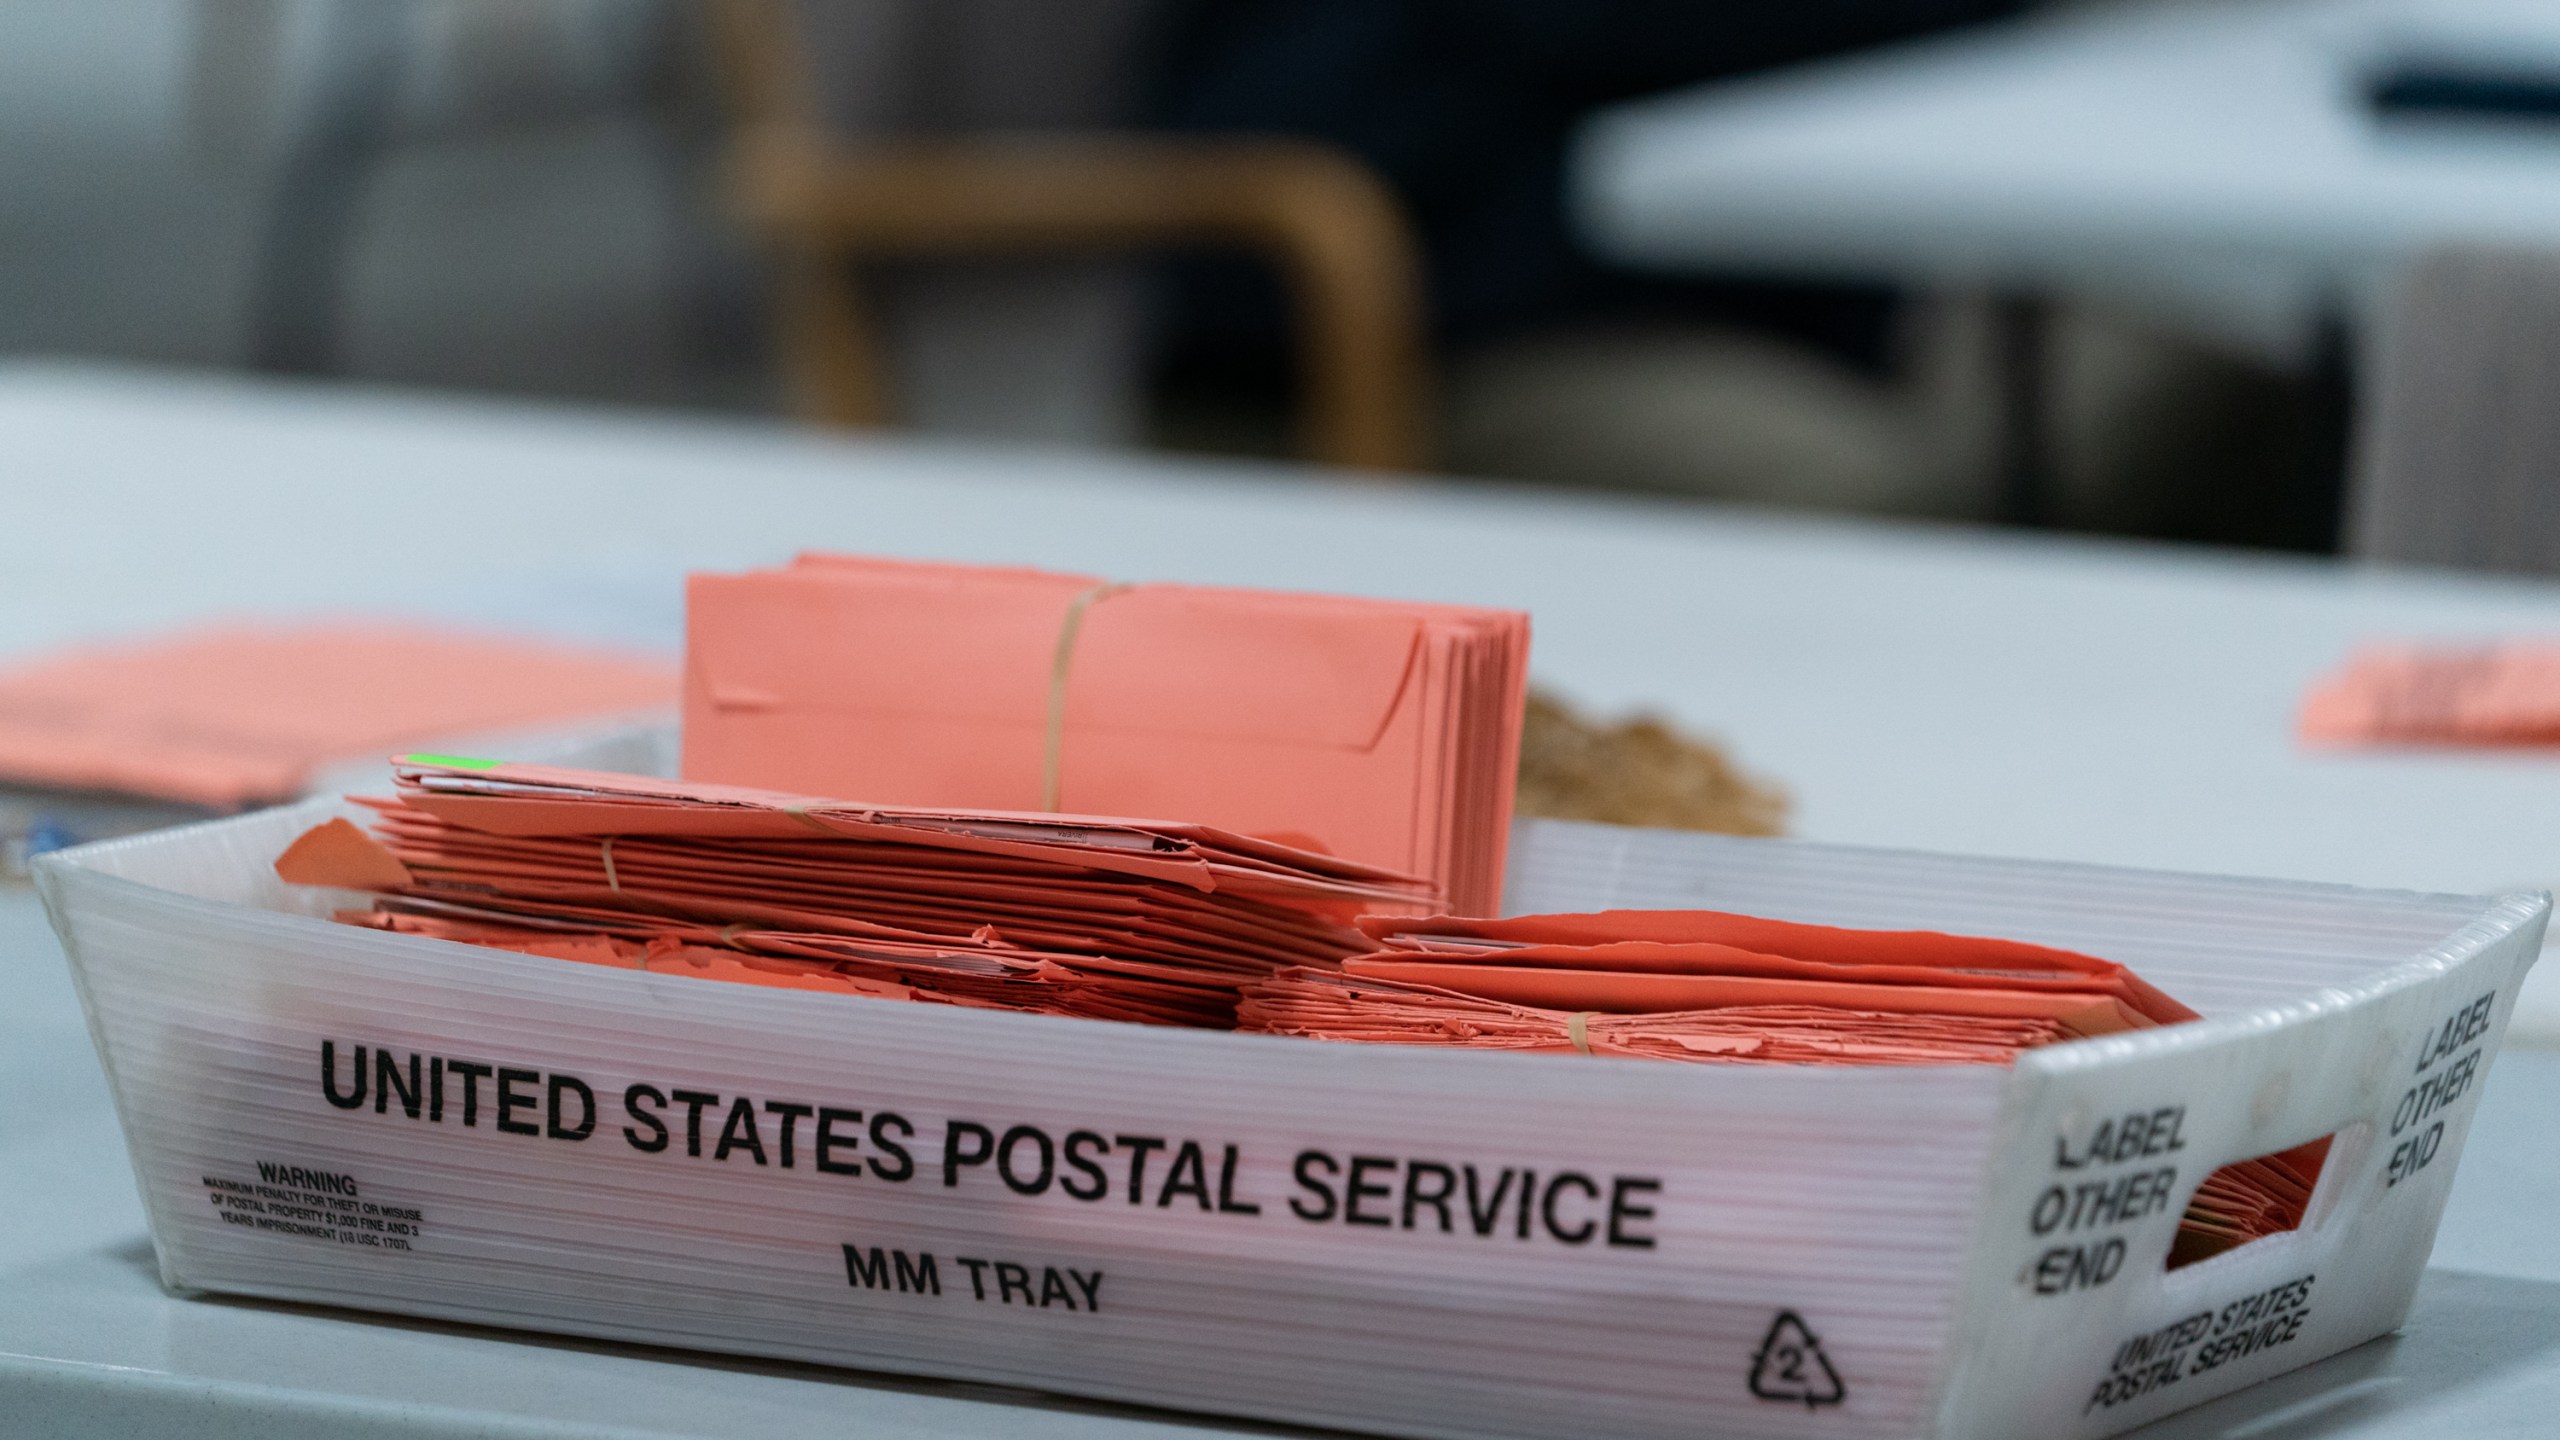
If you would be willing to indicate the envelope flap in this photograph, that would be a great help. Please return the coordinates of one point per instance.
(1276, 668)
(906, 640)
(1150, 660)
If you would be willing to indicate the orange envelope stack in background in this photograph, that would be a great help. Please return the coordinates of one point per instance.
(241, 715)
(2502, 694)
(1077, 915)
(1385, 732)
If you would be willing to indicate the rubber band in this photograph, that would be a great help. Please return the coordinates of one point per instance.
(1054, 745)
(1577, 1029)
(612, 879)
(801, 814)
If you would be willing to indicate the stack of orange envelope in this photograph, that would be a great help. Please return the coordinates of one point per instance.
(1381, 731)
(2499, 694)
(238, 715)
(1703, 985)
(2248, 1201)
(1079, 915)
(1186, 925)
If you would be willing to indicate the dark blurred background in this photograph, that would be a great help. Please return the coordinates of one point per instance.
(1064, 221)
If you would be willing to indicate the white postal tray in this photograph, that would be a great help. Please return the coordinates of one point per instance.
(1707, 1249)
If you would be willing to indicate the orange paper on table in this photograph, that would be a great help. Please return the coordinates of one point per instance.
(1383, 731)
(2502, 694)
(239, 715)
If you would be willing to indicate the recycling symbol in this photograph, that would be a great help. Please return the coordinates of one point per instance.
(1790, 1365)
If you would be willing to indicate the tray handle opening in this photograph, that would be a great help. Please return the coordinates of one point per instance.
(2250, 1200)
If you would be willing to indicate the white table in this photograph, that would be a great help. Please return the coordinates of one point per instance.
(2213, 163)
(1930, 688)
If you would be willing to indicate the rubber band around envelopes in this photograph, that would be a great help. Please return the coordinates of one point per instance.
(1054, 740)
(1382, 730)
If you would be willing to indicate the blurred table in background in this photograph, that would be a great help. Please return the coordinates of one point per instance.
(2215, 163)
(1936, 688)
(2215, 167)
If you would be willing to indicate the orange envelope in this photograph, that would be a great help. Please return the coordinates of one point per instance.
(2091, 1011)
(1834, 944)
(1383, 731)
(1688, 974)
(1078, 915)
(235, 716)
(1665, 960)
(546, 800)
(2244, 1201)
(912, 897)
(2503, 694)
(1334, 1005)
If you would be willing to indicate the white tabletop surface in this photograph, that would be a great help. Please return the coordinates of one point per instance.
(1945, 689)
(2212, 160)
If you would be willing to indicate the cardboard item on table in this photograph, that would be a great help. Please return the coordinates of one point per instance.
(1383, 731)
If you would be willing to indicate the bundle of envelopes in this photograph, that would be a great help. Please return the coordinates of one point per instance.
(2501, 694)
(1078, 915)
(1187, 925)
(244, 714)
(1703, 985)
(1386, 732)
(2248, 1201)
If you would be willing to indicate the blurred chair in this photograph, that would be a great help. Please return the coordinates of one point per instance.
(2459, 452)
(831, 199)
(357, 56)
(476, 192)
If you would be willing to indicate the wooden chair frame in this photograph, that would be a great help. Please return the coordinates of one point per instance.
(825, 203)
